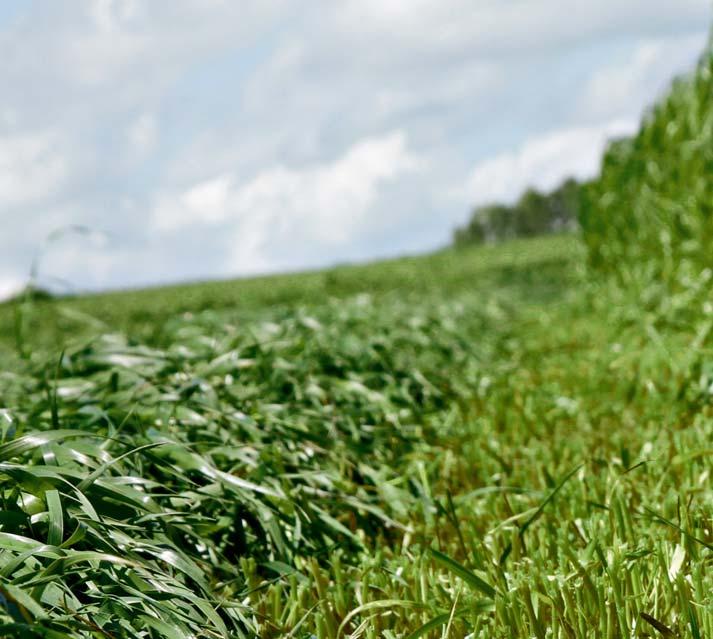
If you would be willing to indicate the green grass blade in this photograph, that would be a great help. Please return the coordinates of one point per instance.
(475, 582)
(56, 518)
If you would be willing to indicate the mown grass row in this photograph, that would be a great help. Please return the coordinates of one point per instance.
(157, 469)
(175, 473)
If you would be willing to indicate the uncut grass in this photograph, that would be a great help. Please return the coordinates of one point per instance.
(623, 544)
(647, 217)
(499, 461)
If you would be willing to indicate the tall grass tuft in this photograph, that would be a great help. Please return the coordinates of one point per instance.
(649, 217)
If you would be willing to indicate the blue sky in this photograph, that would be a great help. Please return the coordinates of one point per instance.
(214, 138)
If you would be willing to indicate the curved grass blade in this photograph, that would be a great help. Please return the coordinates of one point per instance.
(91, 478)
(381, 604)
(437, 622)
(475, 582)
(56, 518)
(31, 441)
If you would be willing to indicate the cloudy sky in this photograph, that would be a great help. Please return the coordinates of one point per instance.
(211, 138)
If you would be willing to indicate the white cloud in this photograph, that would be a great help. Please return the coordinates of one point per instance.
(32, 168)
(319, 207)
(625, 89)
(229, 124)
(207, 202)
(10, 286)
(544, 161)
(510, 25)
(110, 15)
(143, 134)
(133, 50)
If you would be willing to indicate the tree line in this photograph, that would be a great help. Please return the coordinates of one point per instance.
(534, 213)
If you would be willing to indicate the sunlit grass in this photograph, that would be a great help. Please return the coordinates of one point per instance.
(514, 453)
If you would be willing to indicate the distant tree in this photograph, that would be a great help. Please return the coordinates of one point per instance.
(531, 214)
(535, 213)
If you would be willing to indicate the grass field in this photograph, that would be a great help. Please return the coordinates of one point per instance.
(143, 312)
(481, 443)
